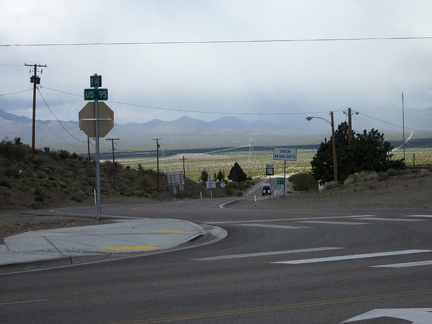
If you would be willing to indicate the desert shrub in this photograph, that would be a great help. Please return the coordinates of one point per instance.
(5, 183)
(393, 172)
(303, 182)
(63, 154)
(12, 172)
(361, 177)
(331, 185)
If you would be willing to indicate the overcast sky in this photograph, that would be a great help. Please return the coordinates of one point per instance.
(300, 76)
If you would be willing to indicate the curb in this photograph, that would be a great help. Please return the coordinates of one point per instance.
(211, 234)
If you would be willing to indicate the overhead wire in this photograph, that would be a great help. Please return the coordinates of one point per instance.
(14, 93)
(391, 124)
(226, 41)
(49, 108)
(203, 111)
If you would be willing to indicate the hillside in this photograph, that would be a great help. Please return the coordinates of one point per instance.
(59, 178)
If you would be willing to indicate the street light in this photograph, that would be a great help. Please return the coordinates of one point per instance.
(331, 122)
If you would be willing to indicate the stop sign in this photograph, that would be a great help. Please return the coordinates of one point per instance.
(87, 120)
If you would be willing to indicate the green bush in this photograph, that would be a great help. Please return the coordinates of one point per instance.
(304, 182)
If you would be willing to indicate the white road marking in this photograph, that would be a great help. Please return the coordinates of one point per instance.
(333, 223)
(425, 216)
(288, 219)
(274, 226)
(25, 302)
(260, 254)
(414, 315)
(353, 257)
(404, 265)
(391, 219)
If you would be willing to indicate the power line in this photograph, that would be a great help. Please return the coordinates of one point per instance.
(14, 93)
(202, 111)
(391, 124)
(236, 113)
(299, 40)
(59, 120)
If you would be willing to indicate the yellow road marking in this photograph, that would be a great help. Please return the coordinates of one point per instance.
(130, 248)
(252, 310)
(168, 232)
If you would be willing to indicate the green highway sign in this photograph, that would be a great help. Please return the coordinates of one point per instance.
(96, 80)
(95, 94)
(280, 181)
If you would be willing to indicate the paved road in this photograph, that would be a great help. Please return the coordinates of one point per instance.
(293, 266)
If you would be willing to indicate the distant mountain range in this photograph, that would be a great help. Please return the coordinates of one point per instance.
(187, 132)
(183, 132)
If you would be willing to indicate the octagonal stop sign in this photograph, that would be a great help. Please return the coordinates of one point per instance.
(87, 120)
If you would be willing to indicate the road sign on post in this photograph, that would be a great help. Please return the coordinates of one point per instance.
(96, 80)
(96, 119)
(87, 120)
(269, 169)
(285, 154)
(95, 94)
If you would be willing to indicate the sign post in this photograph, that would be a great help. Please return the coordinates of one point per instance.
(89, 124)
(285, 154)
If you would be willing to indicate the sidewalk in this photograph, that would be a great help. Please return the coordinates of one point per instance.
(66, 246)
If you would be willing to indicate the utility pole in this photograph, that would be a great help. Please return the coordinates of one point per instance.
(335, 169)
(349, 126)
(350, 132)
(35, 79)
(112, 145)
(157, 158)
(184, 167)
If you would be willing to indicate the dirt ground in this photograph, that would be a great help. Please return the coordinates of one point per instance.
(412, 190)
(407, 191)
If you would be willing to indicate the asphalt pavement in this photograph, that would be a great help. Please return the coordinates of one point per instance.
(74, 245)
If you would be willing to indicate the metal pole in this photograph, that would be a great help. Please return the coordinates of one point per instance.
(403, 125)
(88, 155)
(98, 189)
(284, 185)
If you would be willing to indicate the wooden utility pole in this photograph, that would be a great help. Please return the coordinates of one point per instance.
(349, 126)
(157, 158)
(184, 167)
(35, 80)
(113, 160)
(335, 171)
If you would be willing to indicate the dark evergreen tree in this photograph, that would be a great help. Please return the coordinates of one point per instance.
(220, 176)
(367, 152)
(236, 173)
(204, 176)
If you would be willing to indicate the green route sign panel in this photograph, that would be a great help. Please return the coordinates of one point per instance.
(95, 94)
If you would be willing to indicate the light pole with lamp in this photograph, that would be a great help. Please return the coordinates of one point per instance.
(331, 122)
